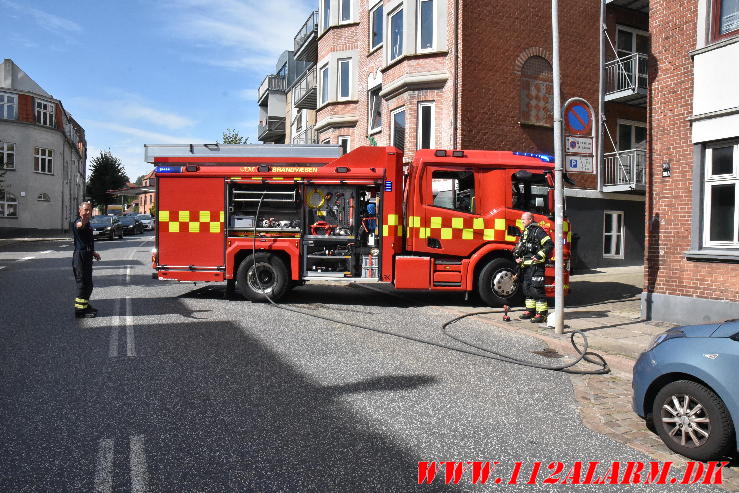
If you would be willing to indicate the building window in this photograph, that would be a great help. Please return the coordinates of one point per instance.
(45, 113)
(324, 84)
(346, 10)
(8, 205)
(721, 225)
(632, 135)
(426, 125)
(326, 13)
(344, 143)
(725, 19)
(537, 92)
(344, 73)
(7, 155)
(426, 25)
(630, 41)
(375, 109)
(8, 104)
(613, 234)
(376, 27)
(397, 129)
(396, 34)
(43, 160)
(43, 197)
(454, 190)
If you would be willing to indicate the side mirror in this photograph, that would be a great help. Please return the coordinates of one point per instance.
(514, 231)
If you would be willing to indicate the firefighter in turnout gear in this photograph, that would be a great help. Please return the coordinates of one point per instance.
(532, 251)
(84, 252)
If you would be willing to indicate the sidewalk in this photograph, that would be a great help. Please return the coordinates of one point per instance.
(9, 236)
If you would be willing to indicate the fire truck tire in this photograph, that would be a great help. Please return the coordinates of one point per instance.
(272, 277)
(496, 285)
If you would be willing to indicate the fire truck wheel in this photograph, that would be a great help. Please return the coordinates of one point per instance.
(496, 285)
(262, 275)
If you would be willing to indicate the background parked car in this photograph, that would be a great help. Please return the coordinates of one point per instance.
(131, 225)
(147, 221)
(687, 385)
(106, 226)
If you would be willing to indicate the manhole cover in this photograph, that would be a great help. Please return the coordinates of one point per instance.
(548, 353)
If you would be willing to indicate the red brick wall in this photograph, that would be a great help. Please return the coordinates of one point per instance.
(25, 108)
(672, 24)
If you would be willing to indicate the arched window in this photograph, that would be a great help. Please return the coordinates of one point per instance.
(8, 205)
(43, 197)
(537, 96)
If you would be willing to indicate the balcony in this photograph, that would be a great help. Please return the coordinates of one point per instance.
(306, 136)
(271, 83)
(272, 129)
(639, 5)
(306, 41)
(305, 94)
(626, 79)
(625, 171)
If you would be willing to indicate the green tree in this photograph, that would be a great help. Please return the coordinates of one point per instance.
(140, 180)
(106, 173)
(231, 136)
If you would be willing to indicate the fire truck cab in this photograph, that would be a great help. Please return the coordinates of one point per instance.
(266, 218)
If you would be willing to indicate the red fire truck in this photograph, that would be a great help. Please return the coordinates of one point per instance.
(266, 218)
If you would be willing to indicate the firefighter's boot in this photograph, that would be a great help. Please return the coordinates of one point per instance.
(540, 317)
(85, 312)
(527, 315)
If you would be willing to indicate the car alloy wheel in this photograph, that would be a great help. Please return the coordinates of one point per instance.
(692, 420)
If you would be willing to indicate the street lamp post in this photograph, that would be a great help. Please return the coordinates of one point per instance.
(558, 181)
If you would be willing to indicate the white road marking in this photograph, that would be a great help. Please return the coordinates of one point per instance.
(115, 321)
(46, 251)
(2, 267)
(139, 472)
(25, 258)
(130, 339)
(128, 274)
(104, 466)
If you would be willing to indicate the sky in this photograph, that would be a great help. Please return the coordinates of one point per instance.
(135, 72)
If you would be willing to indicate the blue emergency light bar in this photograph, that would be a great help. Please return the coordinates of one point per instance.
(168, 169)
(544, 157)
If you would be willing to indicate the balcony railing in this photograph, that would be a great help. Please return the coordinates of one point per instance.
(625, 170)
(305, 42)
(626, 78)
(271, 129)
(305, 94)
(306, 136)
(272, 83)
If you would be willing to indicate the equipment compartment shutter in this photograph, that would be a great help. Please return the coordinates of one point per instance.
(190, 220)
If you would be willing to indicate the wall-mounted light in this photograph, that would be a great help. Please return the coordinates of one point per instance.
(666, 169)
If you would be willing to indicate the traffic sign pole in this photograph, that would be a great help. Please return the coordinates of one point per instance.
(559, 297)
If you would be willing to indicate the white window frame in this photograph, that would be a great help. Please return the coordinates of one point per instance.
(342, 12)
(419, 49)
(340, 81)
(44, 112)
(392, 125)
(325, 15)
(7, 102)
(635, 32)
(432, 141)
(371, 110)
(43, 160)
(631, 123)
(347, 139)
(373, 10)
(389, 34)
(711, 181)
(5, 152)
(5, 202)
(614, 235)
(323, 86)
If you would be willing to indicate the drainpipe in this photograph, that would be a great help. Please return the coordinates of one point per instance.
(455, 101)
(601, 95)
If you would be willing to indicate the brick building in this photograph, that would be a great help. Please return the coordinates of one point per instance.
(42, 152)
(454, 74)
(692, 260)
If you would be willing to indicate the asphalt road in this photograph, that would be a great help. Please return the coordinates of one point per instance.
(174, 388)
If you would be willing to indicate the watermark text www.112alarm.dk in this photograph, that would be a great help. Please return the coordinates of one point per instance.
(487, 472)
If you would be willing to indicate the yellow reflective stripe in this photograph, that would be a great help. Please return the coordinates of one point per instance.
(164, 216)
(184, 216)
(446, 233)
(204, 216)
(174, 227)
(392, 219)
(468, 234)
(435, 222)
(542, 254)
(80, 306)
(545, 239)
(478, 223)
(458, 223)
(221, 216)
(193, 227)
(530, 303)
(80, 300)
(215, 227)
(500, 224)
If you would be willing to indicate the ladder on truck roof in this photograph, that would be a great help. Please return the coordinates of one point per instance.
(241, 150)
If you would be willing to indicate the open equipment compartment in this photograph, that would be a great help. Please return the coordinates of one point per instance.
(341, 231)
(279, 208)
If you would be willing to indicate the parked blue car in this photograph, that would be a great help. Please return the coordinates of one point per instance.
(687, 384)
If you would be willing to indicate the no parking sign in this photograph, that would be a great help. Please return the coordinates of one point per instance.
(579, 135)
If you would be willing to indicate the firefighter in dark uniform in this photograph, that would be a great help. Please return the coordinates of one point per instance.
(84, 252)
(532, 251)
